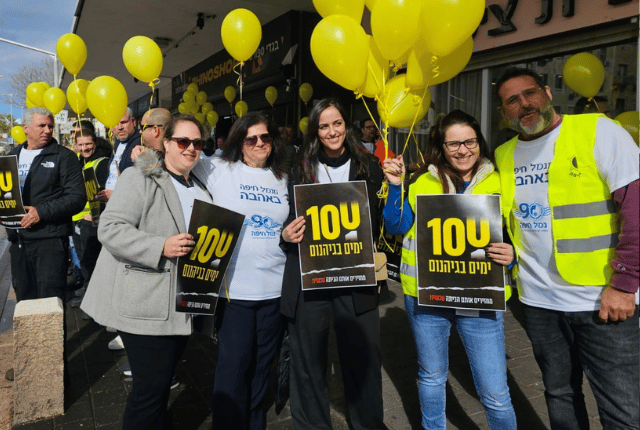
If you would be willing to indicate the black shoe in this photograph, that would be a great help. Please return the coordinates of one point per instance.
(174, 382)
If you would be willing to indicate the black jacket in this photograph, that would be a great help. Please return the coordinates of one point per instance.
(55, 187)
(364, 298)
(125, 161)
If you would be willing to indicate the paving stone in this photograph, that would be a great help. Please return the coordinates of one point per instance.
(77, 411)
(111, 414)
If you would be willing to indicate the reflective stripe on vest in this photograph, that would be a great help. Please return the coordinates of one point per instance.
(583, 216)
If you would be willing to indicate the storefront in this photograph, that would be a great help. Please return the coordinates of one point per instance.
(541, 35)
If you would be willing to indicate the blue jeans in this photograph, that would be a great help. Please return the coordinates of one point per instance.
(483, 339)
(567, 343)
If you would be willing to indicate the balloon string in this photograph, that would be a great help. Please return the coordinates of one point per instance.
(239, 73)
(415, 117)
(153, 84)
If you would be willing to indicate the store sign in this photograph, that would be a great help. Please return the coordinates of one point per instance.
(507, 22)
(220, 70)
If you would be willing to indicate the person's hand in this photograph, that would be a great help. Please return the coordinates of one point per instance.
(294, 232)
(501, 253)
(616, 305)
(393, 169)
(104, 195)
(136, 151)
(178, 245)
(32, 217)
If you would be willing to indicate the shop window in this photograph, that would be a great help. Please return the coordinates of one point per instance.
(620, 105)
(545, 78)
(558, 84)
(622, 70)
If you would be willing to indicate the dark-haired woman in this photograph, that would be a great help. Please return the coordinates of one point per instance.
(332, 153)
(133, 288)
(248, 178)
(457, 162)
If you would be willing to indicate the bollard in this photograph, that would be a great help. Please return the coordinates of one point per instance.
(38, 359)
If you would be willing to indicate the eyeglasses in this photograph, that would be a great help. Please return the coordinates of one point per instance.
(185, 142)
(515, 99)
(454, 145)
(253, 140)
(146, 126)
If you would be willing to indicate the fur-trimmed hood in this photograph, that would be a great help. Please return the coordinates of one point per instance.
(150, 163)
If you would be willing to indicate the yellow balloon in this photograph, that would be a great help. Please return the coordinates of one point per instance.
(400, 107)
(427, 69)
(35, 92)
(184, 108)
(212, 118)
(200, 117)
(76, 95)
(72, 52)
(188, 97)
(584, 74)
(241, 108)
(378, 71)
(340, 49)
(201, 98)
(107, 100)
(304, 123)
(230, 93)
(193, 108)
(206, 108)
(54, 100)
(142, 58)
(629, 120)
(351, 8)
(394, 25)
(17, 134)
(193, 87)
(271, 94)
(29, 103)
(305, 91)
(370, 4)
(241, 33)
(446, 24)
(46, 85)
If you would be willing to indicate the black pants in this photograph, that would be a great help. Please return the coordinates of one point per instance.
(358, 338)
(39, 268)
(87, 247)
(153, 361)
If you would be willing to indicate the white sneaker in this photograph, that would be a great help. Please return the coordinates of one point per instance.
(116, 344)
(111, 330)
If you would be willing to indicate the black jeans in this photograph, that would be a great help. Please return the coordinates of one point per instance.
(153, 361)
(567, 343)
(39, 268)
(87, 247)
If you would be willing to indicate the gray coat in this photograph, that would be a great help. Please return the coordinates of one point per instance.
(133, 286)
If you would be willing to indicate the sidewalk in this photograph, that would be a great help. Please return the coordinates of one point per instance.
(95, 391)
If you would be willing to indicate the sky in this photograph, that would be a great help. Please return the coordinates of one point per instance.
(36, 23)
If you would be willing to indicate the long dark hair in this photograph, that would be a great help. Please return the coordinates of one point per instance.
(232, 150)
(435, 149)
(307, 166)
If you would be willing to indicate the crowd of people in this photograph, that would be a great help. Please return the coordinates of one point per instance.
(576, 269)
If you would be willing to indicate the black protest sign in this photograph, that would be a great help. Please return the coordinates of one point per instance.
(11, 207)
(337, 248)
(201, 272)
(92, 188)
(452, 231)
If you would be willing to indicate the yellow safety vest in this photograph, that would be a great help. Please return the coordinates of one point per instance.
(87, 210)
(584, 222)
(429, 184)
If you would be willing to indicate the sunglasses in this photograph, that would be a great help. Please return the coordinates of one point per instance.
(185, 142)
(253, 140)
(146, 126)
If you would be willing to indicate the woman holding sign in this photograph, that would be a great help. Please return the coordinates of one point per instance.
(457, 162)
(249, 178)
(143, 231)
(331, 153)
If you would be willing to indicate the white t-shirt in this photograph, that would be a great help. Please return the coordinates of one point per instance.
(113, 168)
(616, 157)
(187, 197)
(257, 265)
(24, 164)
(328, 174)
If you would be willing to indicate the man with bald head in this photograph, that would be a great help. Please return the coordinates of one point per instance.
(153, 124)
